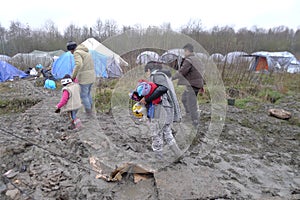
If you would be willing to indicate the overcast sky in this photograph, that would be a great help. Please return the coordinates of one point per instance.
(235, 13)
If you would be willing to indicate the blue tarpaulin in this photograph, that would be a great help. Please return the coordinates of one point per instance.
(100, 62)
(66, 63)
(63, 65)
(8, 72)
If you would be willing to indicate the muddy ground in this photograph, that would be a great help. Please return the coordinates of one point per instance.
(256, 157)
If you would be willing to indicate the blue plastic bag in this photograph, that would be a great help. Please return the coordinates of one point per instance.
(50, 84)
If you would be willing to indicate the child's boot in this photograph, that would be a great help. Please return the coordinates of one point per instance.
(72, 125)
(77, 123)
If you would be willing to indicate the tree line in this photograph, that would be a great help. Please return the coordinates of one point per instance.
(21, 38)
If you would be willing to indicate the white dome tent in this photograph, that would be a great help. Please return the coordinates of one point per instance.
(216, 58)
(172, 55)
(147, 56)
(237, 57)
(274, 61)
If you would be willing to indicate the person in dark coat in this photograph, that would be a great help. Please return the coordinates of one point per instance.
(189, 75)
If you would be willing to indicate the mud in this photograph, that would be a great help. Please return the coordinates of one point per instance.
(256, 157)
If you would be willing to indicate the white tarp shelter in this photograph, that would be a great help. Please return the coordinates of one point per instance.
(274, 61)
(147, 56)
(4, 58)
(56, 53)
(25, 60)
(236, 57)
(216, 57)
(93, 44)
(172, 55)
(202, 56)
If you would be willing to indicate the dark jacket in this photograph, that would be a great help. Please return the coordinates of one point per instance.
(189, 74)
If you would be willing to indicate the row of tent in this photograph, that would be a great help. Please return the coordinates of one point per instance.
(107, 63)
(258, 61)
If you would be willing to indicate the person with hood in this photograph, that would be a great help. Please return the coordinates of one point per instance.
(166, 111)
(189, 75)
(84, 73)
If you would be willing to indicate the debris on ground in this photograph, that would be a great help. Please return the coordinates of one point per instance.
(280, 113)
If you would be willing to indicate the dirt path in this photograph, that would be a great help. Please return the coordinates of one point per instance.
(257, 157)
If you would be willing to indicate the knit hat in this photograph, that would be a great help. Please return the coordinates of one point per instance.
(66, 80)
(71, 45)
(189, 47)
(143, 88)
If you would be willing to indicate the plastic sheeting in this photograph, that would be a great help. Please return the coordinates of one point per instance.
(63, 65)
(171, 55)
(284, 61)
(236, 57)
(50, 53)
(9, 72)
(216, 57)
(113, 68)
(202, 56)
(105, 67)
(4, 58)
(93, 44)
(26, 60)
(100, 62)
(147, 56)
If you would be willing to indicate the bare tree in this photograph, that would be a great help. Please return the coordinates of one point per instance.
(85, 33)
(2, 39)
(72, 32)
(110, 28)
(99, 28)
(166, 26)
(51, 29)
(193, 26)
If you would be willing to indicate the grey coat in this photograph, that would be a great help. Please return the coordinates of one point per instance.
(169, 99)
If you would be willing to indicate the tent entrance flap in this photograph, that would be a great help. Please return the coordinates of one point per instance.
(262, 64)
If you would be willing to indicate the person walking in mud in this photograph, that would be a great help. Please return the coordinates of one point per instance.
(189, 76)
(70, 101)
(84, 73)
(165, 113)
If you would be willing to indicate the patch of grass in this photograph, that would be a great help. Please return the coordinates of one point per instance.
(270, 95)
(108, 83)
(16, 105)
(241, 103)
(103, 94)
(4, 87)
(103, 99)
(249, 103)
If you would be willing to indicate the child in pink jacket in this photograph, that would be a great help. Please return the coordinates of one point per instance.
(70, 101)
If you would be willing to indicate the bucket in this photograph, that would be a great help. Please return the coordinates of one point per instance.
(231, 102)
